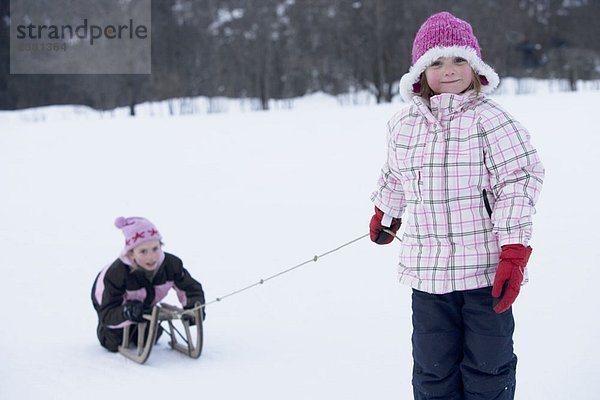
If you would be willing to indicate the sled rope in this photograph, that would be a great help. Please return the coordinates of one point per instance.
(260, 282)
(390, 232)
(176, 331)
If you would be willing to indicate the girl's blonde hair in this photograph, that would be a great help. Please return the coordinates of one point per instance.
(426, 91)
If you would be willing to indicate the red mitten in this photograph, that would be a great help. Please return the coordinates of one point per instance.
(376, 229)
(509, 275)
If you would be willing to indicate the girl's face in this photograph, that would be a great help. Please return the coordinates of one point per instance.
(449, 75)
(147, 255)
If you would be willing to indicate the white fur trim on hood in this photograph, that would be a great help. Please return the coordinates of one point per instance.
(414, 73)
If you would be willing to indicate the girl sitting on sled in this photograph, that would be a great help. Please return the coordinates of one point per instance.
(138, 280)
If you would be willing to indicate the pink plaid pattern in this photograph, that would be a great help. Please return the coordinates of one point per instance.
(441, 164)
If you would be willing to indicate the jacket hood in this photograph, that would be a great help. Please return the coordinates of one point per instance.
(409, 83)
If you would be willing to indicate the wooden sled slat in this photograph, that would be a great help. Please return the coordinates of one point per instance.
(144, 344)
(193, 344)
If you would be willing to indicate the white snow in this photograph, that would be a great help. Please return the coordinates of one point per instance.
(241, 196)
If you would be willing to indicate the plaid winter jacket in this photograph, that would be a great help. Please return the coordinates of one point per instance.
(468, 178)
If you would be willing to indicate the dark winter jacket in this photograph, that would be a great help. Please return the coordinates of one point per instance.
(119, 282)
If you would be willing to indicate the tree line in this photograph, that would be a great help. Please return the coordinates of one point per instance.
(278, 49)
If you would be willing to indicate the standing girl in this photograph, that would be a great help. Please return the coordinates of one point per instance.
(137, 280)
(467, 176)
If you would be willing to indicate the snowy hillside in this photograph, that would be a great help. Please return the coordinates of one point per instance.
(241, 196)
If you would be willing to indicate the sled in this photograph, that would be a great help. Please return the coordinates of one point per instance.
(191, 342)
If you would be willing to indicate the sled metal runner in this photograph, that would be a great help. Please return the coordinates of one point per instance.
(190, 345)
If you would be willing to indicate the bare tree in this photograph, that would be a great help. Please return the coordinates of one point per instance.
(277, 49)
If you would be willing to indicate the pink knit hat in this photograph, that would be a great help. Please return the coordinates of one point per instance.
(444, 35)
(137, 230)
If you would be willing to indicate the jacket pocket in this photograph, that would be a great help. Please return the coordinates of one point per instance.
(486, 202)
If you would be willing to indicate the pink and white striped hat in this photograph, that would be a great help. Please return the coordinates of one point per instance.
(444, 35)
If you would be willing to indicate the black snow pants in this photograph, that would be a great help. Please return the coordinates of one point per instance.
(462, 349)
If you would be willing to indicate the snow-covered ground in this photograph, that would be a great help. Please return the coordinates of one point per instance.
(240, 196)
